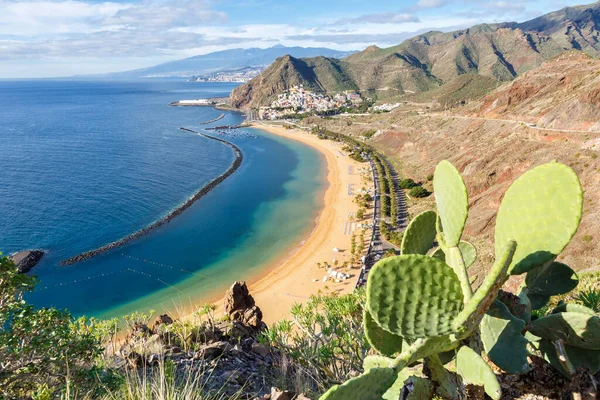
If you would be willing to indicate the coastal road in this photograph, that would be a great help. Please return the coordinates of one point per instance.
(378, 245)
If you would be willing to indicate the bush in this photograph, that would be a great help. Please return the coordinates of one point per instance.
(360, 214)
(589, 298)
(407, 183)
(430, 177)
(418, 192)
(46, 350)
(369, 134)
(325, 336)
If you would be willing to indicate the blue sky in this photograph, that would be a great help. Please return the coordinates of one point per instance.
(42, 38)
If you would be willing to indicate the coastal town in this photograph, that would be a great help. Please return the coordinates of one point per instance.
(298, 100)
(241, 75)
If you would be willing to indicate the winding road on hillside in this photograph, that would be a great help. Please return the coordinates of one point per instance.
(528, 124)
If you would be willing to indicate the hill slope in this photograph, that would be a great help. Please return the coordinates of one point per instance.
(563, 94)
(499, 52)
(226, 59)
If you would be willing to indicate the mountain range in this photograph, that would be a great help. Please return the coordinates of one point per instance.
(226, 60)
(494, 52)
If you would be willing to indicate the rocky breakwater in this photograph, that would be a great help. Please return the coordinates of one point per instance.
(178, 210)
(224, 355)
(27, 259)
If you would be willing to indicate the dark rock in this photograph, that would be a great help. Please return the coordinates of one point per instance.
(162, 320)
(27, 259)
(260, 349)
(213, 350)
(240, 306)
(141, 330)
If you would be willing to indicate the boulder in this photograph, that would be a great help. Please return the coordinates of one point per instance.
(240, 306)
(27, 259)
(213, 350)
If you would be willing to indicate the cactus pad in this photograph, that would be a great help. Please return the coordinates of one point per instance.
(578, 308)
(578, 357)
(538, 301)
(452, 201)
(502, 339)
(414, 296)
(575, 329)
(418, 389)
(383, 341)
(420, 234)
(369, 386)
(541, 211)
(393, 393)
(551, 279)
(475, 371)
(468, 251)
(475, 309)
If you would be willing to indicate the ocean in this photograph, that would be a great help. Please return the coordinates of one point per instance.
(85, 163)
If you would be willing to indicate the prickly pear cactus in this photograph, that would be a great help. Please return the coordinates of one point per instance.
(578, 308)
(475, 309)
(475, 371)
(575, 329)
(578, 357)
(551, 280)
(381, 340)
(414, 296)
(393, 393)
(468, 251)
(419, 235)
(369, 386)
(452, 202)
(540, 211)
(503, 341)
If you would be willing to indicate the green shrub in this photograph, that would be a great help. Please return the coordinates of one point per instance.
(46, 350)
(369, 134)
(430, 177)
(325, 336)
(407, 183)
(360, 214)
(418, 191)
(587, 238)
(589, 298)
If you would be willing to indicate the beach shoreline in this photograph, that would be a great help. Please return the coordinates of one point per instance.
(293, 275)
(296, 275)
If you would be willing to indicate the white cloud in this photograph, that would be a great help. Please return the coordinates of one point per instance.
(381, 18)
(430, 4)
(34, 18)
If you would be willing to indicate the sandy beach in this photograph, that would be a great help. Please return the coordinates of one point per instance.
(298, 276)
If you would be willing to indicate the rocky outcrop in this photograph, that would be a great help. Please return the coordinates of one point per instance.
(224, 357)
(240, 306)
(27, 259)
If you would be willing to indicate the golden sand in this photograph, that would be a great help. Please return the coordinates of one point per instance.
(298, 276)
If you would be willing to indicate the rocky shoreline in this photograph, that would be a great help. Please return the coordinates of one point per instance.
(27, 259)
(144, 231)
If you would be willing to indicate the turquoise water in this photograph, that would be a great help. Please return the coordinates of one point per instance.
(86, 163)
